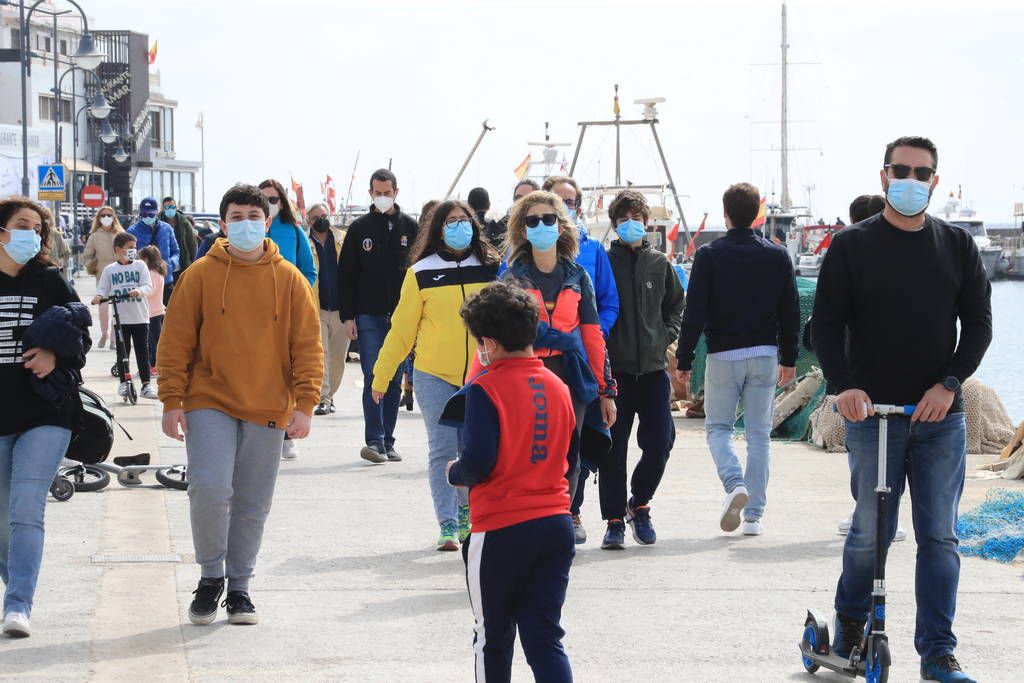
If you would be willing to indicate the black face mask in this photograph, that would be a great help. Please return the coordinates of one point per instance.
(321, 224)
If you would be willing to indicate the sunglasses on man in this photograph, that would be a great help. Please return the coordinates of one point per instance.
(548, 219)
(902, 171)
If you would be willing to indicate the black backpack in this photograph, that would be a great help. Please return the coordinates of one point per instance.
(92, 436)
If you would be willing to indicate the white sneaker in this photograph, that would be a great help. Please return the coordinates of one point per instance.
(735, 501)
(844, 525)
(122, 389)
(289, 450)
(149, 391)
(752, 527)
(16, 625)
(901, 534)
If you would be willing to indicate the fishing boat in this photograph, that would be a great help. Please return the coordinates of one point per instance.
(965, 217)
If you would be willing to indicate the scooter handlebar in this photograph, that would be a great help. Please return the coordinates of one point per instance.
(115, 299)
(887, 409)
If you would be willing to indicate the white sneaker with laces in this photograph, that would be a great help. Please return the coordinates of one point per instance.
(16, 625)
(901, 534)
(289, 450)
(844, 525)
(752, 527)
(148, 391)
(122, 389)
(735, 501)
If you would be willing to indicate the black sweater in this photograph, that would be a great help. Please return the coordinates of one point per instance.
(373, 261)
(741, 293)
(23, 299)
(900, 294)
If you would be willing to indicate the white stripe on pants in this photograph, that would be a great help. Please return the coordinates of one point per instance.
(473, 555)
(335, 343)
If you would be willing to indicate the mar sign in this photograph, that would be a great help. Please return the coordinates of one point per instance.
(51, 183)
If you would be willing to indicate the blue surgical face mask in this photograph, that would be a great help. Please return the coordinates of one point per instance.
(631, 231)
(458, 235)
(572, 213)
(171, 211)
(543, 237)
(149, 220)
(246, 235)
(908, 196)
(23, 245)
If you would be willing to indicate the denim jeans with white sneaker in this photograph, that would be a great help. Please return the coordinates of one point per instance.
(28, 464)
(726, 382)
(433, 393)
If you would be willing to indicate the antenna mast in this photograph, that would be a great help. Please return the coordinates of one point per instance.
(787, 203)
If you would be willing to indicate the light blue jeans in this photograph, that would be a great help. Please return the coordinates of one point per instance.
(432, 393)
(28, 464)
(725, 383)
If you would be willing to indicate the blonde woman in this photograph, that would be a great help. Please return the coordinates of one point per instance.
(99, 253)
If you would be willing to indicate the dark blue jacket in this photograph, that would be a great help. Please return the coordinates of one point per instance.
(594, 260)
(742, 293)
(162, 236)
(64, 330)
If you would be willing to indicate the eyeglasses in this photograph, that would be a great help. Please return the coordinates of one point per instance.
(171, 206)
(453, 221)
(274, 200)
(902, 171)
(548, 219)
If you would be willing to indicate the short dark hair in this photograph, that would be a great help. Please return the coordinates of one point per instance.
(123, 238)
(244, 195)
(430, 240)
(627, 202)
(166, 199)
(525, 181)
(913, 141)
(383, 175)
(866, 206)
(551, 181)
(742, 202)
(479, 199)
(286, 214)
(502, 311)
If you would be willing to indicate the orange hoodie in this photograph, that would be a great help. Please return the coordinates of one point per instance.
(242, 338)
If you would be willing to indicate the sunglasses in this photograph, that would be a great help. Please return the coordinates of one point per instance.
(274, 200)
(902, 171)
(547, 219)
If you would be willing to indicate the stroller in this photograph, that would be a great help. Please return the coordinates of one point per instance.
(122, 368)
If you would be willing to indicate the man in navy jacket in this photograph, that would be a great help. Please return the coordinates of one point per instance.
(150, 230)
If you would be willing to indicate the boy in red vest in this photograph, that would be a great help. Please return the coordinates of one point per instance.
(519, 425)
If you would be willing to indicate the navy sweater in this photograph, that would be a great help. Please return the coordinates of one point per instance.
(742, 293)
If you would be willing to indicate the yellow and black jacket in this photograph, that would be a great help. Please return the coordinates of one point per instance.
(427, 317)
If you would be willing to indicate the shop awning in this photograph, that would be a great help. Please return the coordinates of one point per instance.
(82, 166)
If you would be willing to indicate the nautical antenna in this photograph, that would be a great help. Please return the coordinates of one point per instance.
(549, 153)
(485, 128)
(650, 108)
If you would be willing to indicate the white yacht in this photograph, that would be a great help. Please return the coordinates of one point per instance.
(964, 217)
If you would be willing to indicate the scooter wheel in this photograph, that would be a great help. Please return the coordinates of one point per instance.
(810, 641)
(133, 396)
(113, 370)
(877, 670)
(85, 478)
(61, 489)
(175, 477)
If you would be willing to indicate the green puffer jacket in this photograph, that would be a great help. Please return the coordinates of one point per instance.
(651, 303)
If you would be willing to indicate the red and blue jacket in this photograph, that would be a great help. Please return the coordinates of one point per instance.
(517, 428)
(575, 312)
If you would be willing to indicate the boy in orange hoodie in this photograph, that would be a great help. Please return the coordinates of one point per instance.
(240, 364)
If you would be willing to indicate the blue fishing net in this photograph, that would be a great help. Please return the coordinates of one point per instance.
(995, 529)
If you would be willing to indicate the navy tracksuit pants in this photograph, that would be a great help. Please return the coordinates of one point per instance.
(644, 397)
(517, 577)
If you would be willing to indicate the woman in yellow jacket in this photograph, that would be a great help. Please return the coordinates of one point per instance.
(451, 261)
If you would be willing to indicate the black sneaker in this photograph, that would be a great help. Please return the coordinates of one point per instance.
(615, 536)
(322, 408)
(407, 399)
(203, 609)
(849, 633)
(373, 454)
(639, 520)
(393, 455)
(240, 609)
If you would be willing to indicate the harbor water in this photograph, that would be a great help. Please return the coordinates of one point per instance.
(1003, 367)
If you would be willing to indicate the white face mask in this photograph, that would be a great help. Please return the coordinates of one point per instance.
(106, 221)
(484, 355)
(275, 209)
(384, 204)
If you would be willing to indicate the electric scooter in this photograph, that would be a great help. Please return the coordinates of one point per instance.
(871, 658)
(122, 368)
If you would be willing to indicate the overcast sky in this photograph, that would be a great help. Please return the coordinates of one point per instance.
(301, 86)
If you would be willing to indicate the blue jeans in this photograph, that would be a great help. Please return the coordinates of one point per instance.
(932, 457)
(725, 383)
(379, 420)
(433, 393)
(28, 464)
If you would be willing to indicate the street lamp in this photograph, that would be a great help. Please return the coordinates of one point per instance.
(88, 55)
(120, 156)
(107, 133)
(100, 108)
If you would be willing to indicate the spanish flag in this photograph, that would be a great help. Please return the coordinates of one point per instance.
(523, 168)
(153, 50)
(761, 216)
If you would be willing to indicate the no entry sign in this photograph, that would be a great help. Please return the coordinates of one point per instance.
(93, 196)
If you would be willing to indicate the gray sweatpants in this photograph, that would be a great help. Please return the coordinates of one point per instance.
(232, 470)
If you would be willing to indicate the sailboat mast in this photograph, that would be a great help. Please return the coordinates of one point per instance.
(787, 203)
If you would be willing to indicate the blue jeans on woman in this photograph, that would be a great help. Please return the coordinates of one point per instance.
(433, 393)
(725, 383)
(931, 456)
(28, 464)
(379, 419)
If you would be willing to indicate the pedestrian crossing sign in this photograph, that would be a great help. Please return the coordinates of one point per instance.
(51, 182)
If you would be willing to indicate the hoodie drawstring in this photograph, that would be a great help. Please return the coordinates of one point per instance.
(274, 271)
(224, 290)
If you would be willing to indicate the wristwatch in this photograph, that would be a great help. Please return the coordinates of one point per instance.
(951, 383)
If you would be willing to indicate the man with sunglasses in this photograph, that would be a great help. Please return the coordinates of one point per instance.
(899, 282)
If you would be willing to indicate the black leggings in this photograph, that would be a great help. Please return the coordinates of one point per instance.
(139, 334)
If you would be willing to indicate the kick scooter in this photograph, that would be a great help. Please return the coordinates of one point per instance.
(870, 658)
